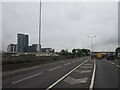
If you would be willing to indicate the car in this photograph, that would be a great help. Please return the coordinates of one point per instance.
(110, 57)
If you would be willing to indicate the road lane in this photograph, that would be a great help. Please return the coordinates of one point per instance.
(52, 85)
(79, 78)
(114, 62)
(106, 74)
(33, 78)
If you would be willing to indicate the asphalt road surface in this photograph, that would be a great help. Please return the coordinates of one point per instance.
(76, 73)
(106, 74)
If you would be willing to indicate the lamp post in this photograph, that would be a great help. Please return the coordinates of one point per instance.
(91, 37)
(40, 29)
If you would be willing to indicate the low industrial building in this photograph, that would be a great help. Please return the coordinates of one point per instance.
(47, 50)
(12, 48)
(33, 48)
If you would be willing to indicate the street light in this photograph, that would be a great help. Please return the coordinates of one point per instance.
(40, 25)
(91, 42)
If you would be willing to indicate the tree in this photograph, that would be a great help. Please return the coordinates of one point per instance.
(74, 51)
(64, 52)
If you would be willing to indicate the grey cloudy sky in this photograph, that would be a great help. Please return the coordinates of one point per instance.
(65, 25)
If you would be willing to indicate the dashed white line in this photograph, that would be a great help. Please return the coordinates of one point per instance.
(73, 62)
(67, 64)
(55, 68)
(93, 77)
(26, 78)
(64, 76)
(114, 64)
(117, 65)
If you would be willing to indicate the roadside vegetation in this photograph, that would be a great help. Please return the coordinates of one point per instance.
(63, 54)
(75, 52)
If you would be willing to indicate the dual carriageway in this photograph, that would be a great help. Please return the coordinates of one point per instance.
(73, 73)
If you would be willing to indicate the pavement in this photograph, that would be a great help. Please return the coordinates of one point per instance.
(75, 73)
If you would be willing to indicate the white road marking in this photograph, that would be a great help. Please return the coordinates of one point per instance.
(67, 64)
(73, 62)
(55, 68)
(109, 61)
(118, 66)
(26, 78)
(86, 66)
(86, 71)
(71, 80)
(65, 76)
(93, 77)
(114, 64)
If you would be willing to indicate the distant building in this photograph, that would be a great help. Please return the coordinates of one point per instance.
(118, 52)
(33, 48)
(36, 47)
(22, 42)
(47, 50)
(12, 48)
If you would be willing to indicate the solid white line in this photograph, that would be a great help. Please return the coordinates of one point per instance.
(64, 76)
(26, 78)
(93, 77)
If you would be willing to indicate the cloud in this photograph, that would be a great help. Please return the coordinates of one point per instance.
(64, 25)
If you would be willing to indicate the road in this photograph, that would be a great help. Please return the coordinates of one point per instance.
(76, 73)
(106, 74)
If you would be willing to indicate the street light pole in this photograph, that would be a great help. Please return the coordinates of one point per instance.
(91, 37)
(40, 29)
(92, 44)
